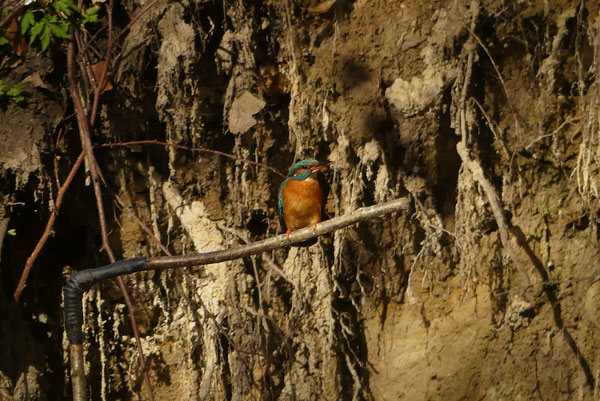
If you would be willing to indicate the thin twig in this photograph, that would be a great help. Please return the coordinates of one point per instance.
(85, 128)
(357, 216)
(140, 223)
(134, 19)
(101, 83)
(500, 78)
(55, 158)
(268, 260)
(12, 14)
(492, 126)
(497, 209)
(560, 127)
(48, 230)
(193, 149)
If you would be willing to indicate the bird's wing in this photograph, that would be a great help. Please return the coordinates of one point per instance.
(280, 203)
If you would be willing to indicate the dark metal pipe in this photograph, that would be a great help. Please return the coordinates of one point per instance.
(73, 293)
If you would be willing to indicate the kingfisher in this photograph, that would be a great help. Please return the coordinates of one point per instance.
(301, 196)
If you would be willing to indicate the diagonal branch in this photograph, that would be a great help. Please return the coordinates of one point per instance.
(497, 210)
(362, 214)
(192, 149)
(48, 230)
(134, 19)
(85, 130)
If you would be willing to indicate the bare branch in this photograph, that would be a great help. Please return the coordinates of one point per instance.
(48, 230)
(134, 19)
(85, 133)
(497, 210)
(279, 241)
(193, 149)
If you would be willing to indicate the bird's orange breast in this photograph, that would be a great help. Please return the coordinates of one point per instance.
(302, 202)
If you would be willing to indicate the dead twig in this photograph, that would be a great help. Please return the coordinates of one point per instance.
(98, 89)
(570, 121)
(85, 130)
(48, 230)
(500, 78)
(13, 13)
(140, 223)
(497, 209)
(134, 19)
(193, 149)
(362, 214)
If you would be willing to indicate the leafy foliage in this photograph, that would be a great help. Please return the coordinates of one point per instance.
(50, 23)
(90, 15)
(41, 24)
(3, 39)
(65, 6)
(15, 92)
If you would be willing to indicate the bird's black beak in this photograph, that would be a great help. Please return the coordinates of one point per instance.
(321, 165)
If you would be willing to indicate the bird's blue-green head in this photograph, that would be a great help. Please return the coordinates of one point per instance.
(304, 168)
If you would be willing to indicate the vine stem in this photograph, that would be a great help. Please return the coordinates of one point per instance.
(193, 149)
(134, 19)
(48, 230)
(12, 14)
(85, 129)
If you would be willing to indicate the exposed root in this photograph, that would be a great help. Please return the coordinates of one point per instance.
(497, 209)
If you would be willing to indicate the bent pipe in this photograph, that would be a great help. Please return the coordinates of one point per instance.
(82, 281)
(79, 283)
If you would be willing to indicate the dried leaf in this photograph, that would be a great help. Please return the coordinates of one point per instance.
(35, 80)
(322, 8)
(242, 110)
(16, 40)
(272, 83)
(97, 70)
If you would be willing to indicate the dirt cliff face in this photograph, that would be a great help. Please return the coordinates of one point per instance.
(484, 114)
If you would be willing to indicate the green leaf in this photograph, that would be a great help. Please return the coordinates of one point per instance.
(27, 21)
(51, 19)
(66, 6)
(60, 30)
(90, 15)
(45, 37)
(36, 30)
(16, 89)
(3, 41)
(12, 232)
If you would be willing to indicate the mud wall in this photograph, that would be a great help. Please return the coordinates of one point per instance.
(484, 114)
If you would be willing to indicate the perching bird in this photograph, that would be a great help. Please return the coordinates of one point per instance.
(301, 196)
